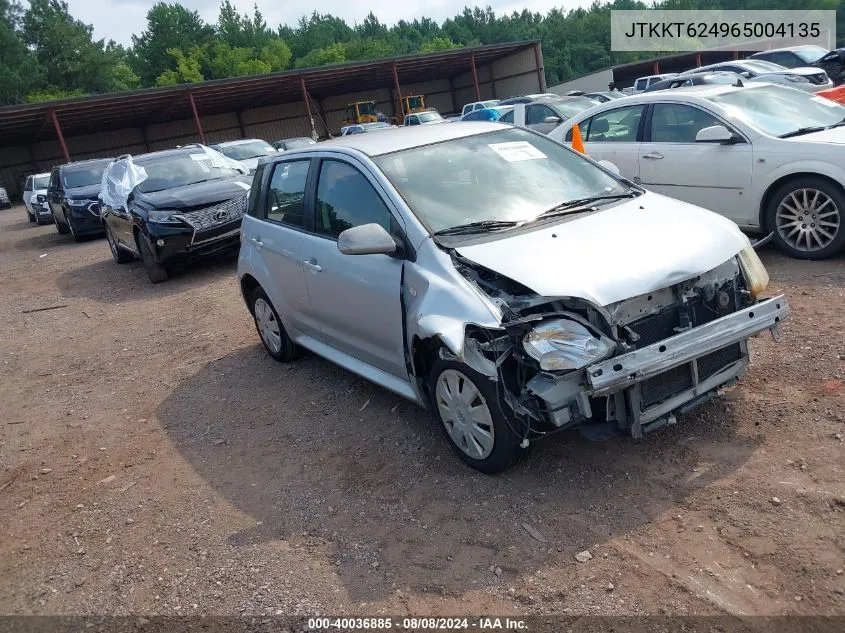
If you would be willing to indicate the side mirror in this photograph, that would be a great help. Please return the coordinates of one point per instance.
(610, 167)
(367, 239)
(746, 75)
(716, 134)
(552, 119)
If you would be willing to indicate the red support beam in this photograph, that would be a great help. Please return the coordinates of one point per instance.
(698, 60)
(401, 109)
(307, 104)
(656, 68)
(60, 135)
(736, 55)
(196, 117)
(475, 77)
(241, 124)
(541, 75)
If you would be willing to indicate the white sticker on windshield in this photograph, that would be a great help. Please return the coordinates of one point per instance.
(200, 157)
(824, 101)
(515, 151)
(243, 185)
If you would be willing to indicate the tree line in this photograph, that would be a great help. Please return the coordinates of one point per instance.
(46, 53)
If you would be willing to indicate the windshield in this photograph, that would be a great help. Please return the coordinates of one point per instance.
(414, 103)
(179, 170)
(570, 107)
(425, 117)
(41, 182)
(83, 176)
(243, 151)
(507, 175)
(367, 108)
(761, 66)
(811, 54)
(776, 110)
(299, 142)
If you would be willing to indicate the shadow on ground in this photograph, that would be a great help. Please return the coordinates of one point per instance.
(107, 281)
(309, 447)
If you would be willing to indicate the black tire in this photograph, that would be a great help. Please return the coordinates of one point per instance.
(31, 217)
(784, 194)
(155, 271)
(61, 227)
(287, 350)
(506, 449)
(118, 254)
(76, 237)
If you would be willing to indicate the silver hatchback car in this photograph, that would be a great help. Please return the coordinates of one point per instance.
(511, 285)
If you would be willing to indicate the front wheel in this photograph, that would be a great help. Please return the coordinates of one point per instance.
(61, 227)
(806, 215)
(30, 216)
(76, 237)
(118, 254)
(468, 407)
(155, 271)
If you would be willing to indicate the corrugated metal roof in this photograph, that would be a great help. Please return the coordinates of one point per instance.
(97, 113)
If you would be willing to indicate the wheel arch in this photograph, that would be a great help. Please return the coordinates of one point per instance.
(248, 286)
(777, 184)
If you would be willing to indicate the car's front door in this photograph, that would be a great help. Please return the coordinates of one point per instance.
(117, 217)
(710, 175)
(354, 299)
(273, 241)
(614, 135)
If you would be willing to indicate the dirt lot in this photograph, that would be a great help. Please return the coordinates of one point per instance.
(154, 460)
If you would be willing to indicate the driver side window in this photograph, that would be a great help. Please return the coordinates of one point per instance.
(345, 199)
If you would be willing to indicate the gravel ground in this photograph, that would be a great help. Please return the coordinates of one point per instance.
(154, 460)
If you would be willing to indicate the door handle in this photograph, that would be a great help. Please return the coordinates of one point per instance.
(653, 156)
(312, 265)
(257, 241)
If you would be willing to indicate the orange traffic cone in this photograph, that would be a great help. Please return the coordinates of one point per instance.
(577, 141)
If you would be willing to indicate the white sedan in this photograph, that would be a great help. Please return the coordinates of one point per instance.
(770, 158)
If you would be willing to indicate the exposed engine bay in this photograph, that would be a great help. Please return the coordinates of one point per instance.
(554, 358)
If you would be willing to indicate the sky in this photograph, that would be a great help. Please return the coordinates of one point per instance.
(120, 19)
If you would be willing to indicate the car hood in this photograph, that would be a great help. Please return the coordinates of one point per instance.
(89, 192)
(636, 247)
(199, 194)
(802, 70)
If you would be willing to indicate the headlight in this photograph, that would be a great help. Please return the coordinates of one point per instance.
(78, 203)
(163, 217)
(756, 277)
(41, 198)
(797, 79)
(561, 344)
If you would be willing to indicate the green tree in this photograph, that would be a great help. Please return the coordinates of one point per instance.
(187, 67)
(169, 26)
(438, 44)
(333, 54)
(20, 72)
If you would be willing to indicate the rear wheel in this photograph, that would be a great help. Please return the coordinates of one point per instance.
(118, 254)
(155, 271)
(468, 407)
(806, 215)
(276, 340)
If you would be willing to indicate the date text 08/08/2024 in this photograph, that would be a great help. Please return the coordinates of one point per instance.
(418, 624)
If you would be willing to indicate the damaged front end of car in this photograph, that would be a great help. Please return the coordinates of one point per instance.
(631, 366)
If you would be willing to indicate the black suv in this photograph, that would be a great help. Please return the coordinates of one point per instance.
(72, 195)
(172, 206)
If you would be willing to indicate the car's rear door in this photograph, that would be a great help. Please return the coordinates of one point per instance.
(355, 300)
(272, 240)
(710, 175)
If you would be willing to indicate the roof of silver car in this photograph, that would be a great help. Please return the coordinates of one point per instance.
(406, 137)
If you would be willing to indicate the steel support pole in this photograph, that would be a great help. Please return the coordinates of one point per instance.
(475, 77)
(541, 74)
(307, 107)
(60, 135)
(401, 109)
(196, 117)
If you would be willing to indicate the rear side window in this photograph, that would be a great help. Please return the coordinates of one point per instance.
(507, 117)
(286, 196)
(345, 198)
(641, 84)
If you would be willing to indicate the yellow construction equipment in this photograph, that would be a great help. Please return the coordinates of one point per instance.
(362, 112)
(413, 103)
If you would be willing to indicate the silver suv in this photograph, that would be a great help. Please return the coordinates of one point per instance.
(511, 285)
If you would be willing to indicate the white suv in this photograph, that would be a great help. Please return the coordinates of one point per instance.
(644, 82)
(35, 198)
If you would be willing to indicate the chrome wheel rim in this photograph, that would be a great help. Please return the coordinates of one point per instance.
(465, 414)
(808, 219)
(268, 326)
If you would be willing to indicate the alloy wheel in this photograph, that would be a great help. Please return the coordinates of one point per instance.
(465, 414)
(268, 326)
(808, 219)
